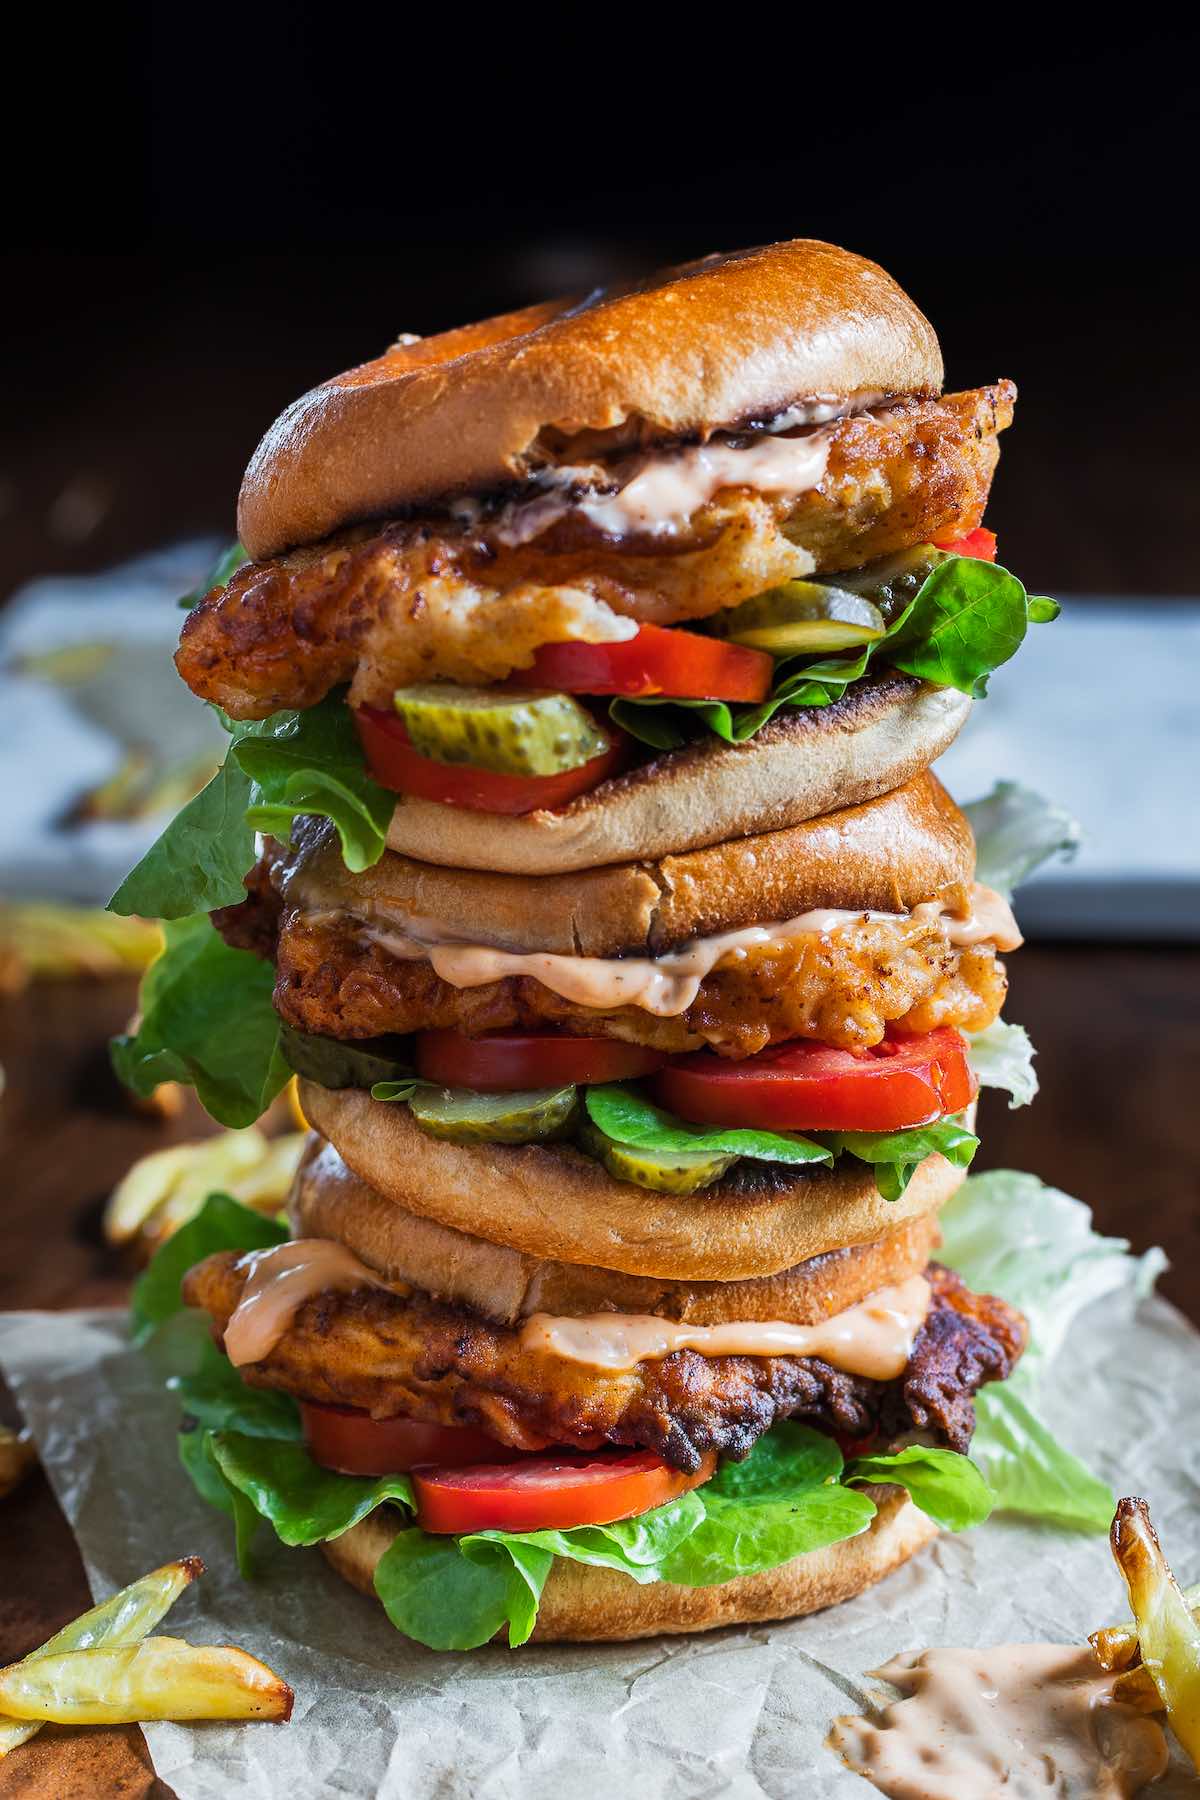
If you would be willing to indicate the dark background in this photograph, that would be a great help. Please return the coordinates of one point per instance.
(210, 210)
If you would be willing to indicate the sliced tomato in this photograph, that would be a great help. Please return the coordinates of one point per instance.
(681, 665)
(505, 1062)
(353, 1443)
(395, 764)
(800, 1086)
(550, 1492)
(980, 543)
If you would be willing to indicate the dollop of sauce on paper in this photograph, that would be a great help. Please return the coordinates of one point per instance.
(1016, 1722)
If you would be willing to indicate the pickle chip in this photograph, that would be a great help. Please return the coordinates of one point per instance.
(465, 1117)
(803, 616)
(337, 1063)
(667, 1172)
(506, 731)
(893, 581)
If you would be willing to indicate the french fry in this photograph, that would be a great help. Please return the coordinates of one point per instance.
(1168, 1634)
(164, 1190)
(160, 1678)
(17, 1457)
(1116, 1646)
(125, 1618)
(1136, 1688)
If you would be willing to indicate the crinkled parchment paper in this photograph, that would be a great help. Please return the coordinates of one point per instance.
(736, 1712)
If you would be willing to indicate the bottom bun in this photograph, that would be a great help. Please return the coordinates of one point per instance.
(581, 1604)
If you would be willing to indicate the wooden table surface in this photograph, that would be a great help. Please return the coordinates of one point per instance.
(1118, 1031)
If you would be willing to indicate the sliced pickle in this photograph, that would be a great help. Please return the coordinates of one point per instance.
(466, 1117)
(332, 1063)
(510, 731)
(673, 1172)
(803, 616)
(893, 581)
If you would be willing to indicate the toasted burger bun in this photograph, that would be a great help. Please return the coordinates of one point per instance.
(886, 855)
(550, 1201)
(329, 1201)
(731, 340)
(807, 761)
(585, 1605)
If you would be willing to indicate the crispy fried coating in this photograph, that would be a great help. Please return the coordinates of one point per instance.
(409, 1355)
(384, 605)
(842, 989)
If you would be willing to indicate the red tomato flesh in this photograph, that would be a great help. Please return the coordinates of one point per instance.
(353, 1443)
(800, 1086)
(681, 665)
(395, 764)
(506, 1062)
(550, 1492)
(980, 544)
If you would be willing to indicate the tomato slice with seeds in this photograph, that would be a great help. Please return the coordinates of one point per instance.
(550, 1492)
(396, 765)
(679, 665)
(800, 1086)
(352, 1442)
(506, 1062)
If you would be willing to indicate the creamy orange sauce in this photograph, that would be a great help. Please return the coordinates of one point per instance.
(873, 1338)
(279, 1281)
(1016, 1722)
(664, 491)
(667, 985)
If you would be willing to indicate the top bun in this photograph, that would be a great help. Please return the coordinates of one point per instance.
(727, 341)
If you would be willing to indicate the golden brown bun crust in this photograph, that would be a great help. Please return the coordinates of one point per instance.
(588, 1605)
(725, 341)
(329, 1201)
(886, 855)
(549, 1200)
(807, 761)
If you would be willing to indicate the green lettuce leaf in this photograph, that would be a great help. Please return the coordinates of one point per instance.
(221, 1224)
(275, 771)
(448, 1600)
(196, 1455)
(225, 567)
(206, 1020)
(782, 1501)
(897, 1155)
(623, 1113)
(1016, 831)
(634, 1547)
(214, 1394)
(943, 1484)
(967, 619)
(1007, 1233)
(305, 1503)
(1002, 1057)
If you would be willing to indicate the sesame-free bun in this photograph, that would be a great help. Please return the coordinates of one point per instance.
(886, 855)
(726, 341)
(552, 1202)
(585, 1605)
(806, 761)
(328, 1200)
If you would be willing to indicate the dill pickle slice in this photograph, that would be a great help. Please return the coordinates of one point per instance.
(892, 581)
(508, 731)
(803, 616)
(334, 1063)
(674, 1172)
(466, 1117)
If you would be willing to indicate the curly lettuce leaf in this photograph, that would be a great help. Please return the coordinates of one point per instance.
(1016, 831)
(1002, 1057)
(942, 1483)
(201, 859)
(449, 1598)
(304, 1502)
(1007, 1233)
(897, 1155)
(967, 619)
(207, 1020)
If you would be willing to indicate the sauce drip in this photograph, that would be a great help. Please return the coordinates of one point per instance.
(873, 1338)
(667, 985)
(279, 1281)
(1017, 1722)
